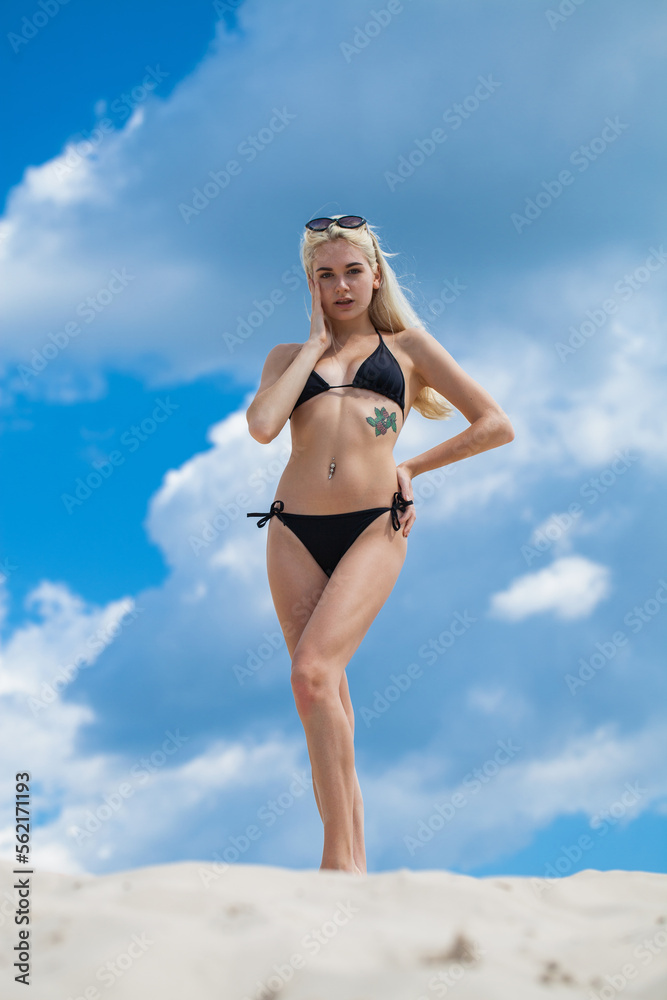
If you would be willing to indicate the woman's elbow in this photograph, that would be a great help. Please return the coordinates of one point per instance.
(497, 427)
(259, 430)
(506, 431)
(256, 430)
(259, 436)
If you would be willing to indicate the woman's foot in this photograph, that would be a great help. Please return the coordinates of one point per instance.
(355, 870)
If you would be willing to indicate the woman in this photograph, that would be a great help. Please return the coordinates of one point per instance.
(333, 554)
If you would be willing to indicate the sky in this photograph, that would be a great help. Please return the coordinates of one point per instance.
(510, 694)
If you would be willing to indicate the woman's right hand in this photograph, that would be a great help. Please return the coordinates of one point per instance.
(320, 325)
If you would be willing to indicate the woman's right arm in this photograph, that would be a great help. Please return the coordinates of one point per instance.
(282, 380)
(279, 388)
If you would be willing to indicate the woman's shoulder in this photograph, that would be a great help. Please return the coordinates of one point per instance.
(410, 342)
(281, 356)
(284, 352)
(411, 334)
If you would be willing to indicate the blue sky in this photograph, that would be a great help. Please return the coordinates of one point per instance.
(512, 153)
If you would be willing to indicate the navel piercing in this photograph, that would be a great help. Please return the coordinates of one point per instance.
(332, 467)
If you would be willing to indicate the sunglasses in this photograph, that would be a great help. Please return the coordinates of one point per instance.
(345, 221)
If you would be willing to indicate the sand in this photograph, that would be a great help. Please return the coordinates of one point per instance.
(254, 932)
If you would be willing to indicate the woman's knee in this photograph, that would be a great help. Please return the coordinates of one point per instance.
(313, 680)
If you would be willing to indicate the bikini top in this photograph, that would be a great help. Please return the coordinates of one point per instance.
(380, 372)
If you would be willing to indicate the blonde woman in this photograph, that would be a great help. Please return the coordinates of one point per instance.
(338, 528)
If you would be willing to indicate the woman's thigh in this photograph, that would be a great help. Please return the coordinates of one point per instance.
(353, 596)
(297, 583)
(295, 579)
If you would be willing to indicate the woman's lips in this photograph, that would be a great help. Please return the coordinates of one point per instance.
(341, 305)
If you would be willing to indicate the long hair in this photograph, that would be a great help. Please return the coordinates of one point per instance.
(389, 308)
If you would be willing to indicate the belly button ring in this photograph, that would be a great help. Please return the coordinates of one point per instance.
(332, 467)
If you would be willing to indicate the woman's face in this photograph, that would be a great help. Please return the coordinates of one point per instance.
(344, 274)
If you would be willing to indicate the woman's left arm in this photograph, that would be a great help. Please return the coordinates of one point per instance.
(489, 424)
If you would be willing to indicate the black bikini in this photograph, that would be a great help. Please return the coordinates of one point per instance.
(380, 372)
(328, 536)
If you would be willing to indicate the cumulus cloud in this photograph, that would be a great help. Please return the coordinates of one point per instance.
(570, 588)
(106, 809)
(193, 282)
(507, 794)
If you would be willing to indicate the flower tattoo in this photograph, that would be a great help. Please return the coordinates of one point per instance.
(383, 421)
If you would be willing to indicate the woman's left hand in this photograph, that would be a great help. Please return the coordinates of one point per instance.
(406, 517)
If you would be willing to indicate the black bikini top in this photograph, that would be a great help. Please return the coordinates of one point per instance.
(380, 372)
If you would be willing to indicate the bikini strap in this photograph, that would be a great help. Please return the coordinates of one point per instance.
(276, 507)
(398, 503)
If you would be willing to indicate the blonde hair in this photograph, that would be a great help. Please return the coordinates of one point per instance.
(389, 308)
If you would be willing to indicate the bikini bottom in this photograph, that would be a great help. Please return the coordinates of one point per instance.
(328, 536)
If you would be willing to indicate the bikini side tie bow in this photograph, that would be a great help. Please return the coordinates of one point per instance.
(398, 503)
(276, 507)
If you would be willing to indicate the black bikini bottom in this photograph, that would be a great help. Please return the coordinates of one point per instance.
(328, 536)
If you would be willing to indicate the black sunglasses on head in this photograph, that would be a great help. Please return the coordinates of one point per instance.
(345, 221)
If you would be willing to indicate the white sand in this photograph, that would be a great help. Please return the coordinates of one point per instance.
(160, 932)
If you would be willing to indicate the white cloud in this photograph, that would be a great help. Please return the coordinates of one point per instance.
(68, 784)
(571, 588)
(486, 699)
(40, 659)
(505, 807)
(41, 729)
(193, 281)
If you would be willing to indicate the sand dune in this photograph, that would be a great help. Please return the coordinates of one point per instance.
(253, 932)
